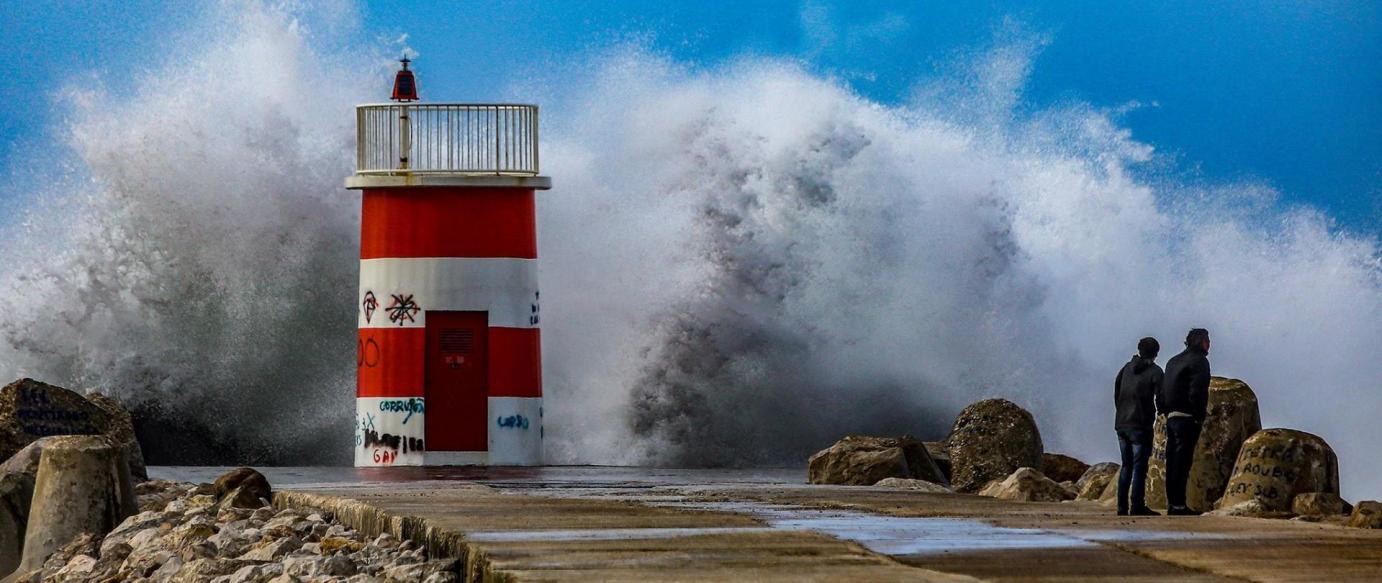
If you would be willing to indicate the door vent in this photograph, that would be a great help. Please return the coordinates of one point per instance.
(458, 341)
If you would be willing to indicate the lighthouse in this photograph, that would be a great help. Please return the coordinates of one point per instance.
(449, 366)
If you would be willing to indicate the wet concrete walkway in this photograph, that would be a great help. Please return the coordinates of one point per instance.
(627, 524)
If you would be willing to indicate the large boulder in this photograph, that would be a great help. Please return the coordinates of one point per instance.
(1062, 468)
(1027, 485)
(83, 486)
(1091, 485)
(16, 493)
(913, 485)
(30, 410)
(1367, 514)
(1319, 504)
(861, 460)
(243, 488)
(990, 440)
(1277, 464)
(1233, 417)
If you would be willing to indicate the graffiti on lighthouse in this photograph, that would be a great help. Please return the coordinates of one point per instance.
(390, 431)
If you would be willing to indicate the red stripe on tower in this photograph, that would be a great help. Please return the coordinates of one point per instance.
(448, 222)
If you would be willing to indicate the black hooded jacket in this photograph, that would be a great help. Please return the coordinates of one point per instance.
(1186, 386)
(1134, 392)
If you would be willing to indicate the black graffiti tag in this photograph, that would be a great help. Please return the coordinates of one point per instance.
(402, 309)
(369, 305)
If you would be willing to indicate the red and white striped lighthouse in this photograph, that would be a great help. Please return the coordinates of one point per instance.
(449, 363)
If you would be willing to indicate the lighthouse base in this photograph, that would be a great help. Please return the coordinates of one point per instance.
(391, 431)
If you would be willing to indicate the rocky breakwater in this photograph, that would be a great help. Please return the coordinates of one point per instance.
(227, 532)
(32, 415)
(989, 441)
(861, 460)
(1233, 417)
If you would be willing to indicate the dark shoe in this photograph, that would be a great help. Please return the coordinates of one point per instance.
(1144, 511)
(1181, 511)
(1122, 512)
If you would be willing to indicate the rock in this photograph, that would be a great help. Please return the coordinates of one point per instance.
(272, 550)
(1027, 485)
(253, 482)
(142, 564)
(1366, 514)
(83, 485)
(337, 566)
(861, 460)
(914, 484)
(1250, 508)
(156, 494)
(1062, 468)
(262, 515)
(206, 569)
(334, 544)
(30, 410)
(77, 569)
(16, 491)
(151, 539)
(243, 497)
(121, 430)
(1276, 464)
(1318, 504)
(230, 541)
(385, 541)
(990, 440)
(255, 573)
(940, 455)
(135, 525)
(167, 569)
(421, 571)
(1091, 485)
(83, 544)
(1233, 417)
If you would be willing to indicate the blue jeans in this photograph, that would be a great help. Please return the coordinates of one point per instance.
(1182, 433)
(1136, 447)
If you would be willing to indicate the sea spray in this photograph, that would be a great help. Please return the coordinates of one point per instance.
(198, 262)
(745, 262)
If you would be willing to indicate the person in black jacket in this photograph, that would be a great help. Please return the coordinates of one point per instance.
(1134, 395)
(1184, 399)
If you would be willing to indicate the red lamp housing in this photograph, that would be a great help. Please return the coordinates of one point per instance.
(404, 85)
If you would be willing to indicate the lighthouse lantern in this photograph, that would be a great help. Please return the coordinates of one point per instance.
(404, 84)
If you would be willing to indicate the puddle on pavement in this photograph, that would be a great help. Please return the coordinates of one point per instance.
(898, 535)
(602, 534)
(889, 535)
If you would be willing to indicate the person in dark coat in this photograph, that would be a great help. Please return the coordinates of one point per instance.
(1184, 400)
(1134, 397)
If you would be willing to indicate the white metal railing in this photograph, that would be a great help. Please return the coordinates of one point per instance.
(417, 138)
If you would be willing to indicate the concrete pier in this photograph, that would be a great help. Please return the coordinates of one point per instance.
(571, 524)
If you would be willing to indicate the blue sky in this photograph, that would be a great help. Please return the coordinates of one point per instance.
(1285, 93)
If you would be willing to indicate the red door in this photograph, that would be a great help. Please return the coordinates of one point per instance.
(457, 372)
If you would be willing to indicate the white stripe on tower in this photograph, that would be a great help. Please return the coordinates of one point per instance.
(505, 287)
